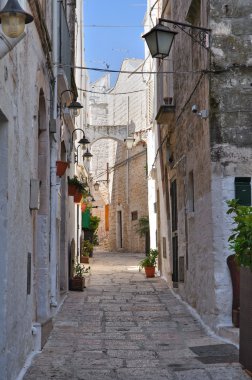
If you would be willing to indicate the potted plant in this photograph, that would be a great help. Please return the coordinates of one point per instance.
(76, 188)
(77, 282)
(149, 263)
(143, 230)
(86, 251)
(73, 184)
(90, 233)
(240, 241)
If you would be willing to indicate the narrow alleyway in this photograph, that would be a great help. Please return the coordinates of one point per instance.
(124, 326)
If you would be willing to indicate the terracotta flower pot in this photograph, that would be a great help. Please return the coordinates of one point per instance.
(61, 167)
(235, 277)
(77, 283)
(149, 272)
(71, 190)
(77, 197)
(84, 259)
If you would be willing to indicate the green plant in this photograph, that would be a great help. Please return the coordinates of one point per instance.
(94, 222)
(143, 226)
(86, 248)
(80, 185)
(150, 259)
(80, 270)
(241, 238)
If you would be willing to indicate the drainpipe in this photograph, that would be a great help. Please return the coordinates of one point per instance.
(53, 177)
(127, 166)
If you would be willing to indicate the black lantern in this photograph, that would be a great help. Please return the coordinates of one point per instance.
(13, 19)
(159, 40)
(87, 155)
(84, 141)
(75, 107)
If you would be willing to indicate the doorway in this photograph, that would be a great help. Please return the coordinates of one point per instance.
(174, 226)
(3, 223)
(119, 230)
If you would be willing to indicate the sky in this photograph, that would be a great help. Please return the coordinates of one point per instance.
(108, 46)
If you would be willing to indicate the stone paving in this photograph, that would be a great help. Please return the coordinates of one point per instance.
(126, 327)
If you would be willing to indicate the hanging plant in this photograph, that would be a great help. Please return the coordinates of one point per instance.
(75, 186)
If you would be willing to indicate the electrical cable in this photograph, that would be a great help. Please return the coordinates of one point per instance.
(130, 72)
(114, 26)
(108, 93)
(113, 168)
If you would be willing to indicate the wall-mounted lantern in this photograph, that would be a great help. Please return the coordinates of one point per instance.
(83, 141)
(74, 105)
(13, 19)
(87, 155)
(160, 38)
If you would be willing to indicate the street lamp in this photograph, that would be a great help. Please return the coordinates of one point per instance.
(160, 38)
(87, 155)
(13, 19)
(97, 184)
(129, 142)
(90, 197)
(74, 105)
(83, 141)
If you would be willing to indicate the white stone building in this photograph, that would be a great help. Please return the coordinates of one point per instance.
(37, 218)
(114, 114)
(202, 158)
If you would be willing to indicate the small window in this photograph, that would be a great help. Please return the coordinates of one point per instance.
(134, 215)
(243, 190)
(191, 192)
(164, 247)
(155, 207)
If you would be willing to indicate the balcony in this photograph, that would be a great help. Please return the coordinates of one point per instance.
(165, 114)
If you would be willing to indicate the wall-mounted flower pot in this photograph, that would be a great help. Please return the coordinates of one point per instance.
(72, 190)
(77, 197)
(61, 167)
(235, 278)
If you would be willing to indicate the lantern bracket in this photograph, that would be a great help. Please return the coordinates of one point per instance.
(198, 34)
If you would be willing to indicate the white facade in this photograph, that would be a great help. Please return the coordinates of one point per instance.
(35, 235)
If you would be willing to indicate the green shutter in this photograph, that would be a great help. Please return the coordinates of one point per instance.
(86, 219)
(243, 190)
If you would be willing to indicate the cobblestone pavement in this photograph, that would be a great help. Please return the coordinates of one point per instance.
(126, 327)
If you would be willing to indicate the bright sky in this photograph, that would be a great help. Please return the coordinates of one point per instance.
(110, 45)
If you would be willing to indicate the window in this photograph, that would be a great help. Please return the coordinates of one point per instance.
(193, 15)
(191, 192)
(164, 247)
(243, 190)
(134, 215)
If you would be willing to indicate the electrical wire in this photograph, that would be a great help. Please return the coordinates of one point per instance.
(114, 26)
(108, 93)
(113, 168)
(130, 72)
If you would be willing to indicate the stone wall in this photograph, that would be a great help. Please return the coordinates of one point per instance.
(212, 151)
(23, 75)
